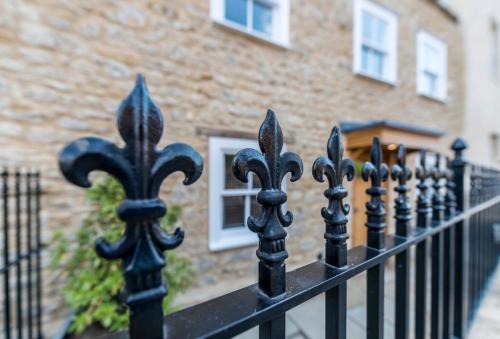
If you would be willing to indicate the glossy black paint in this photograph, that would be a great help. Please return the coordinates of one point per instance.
(437, 252)
(335, 169)
(24, 258)
(270, 166)
(6, 246)
(449, 254)
(401, 173)
(424, 219)
(378, 172)
(141, 168)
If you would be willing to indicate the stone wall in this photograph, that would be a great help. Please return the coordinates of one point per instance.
(66, 65)
(482, 74)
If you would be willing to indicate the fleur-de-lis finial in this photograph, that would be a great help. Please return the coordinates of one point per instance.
(270, 166)
(458, 146)
(424, 209)
(140, 168)
(378, 172)
(335, 169)
(402, 174)
(438, 207)
(450, 199)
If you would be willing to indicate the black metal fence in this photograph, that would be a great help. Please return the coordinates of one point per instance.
(483, 242)
(454, 224)
(21, 255)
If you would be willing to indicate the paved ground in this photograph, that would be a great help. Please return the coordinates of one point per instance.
(307, 322)
(487, 321)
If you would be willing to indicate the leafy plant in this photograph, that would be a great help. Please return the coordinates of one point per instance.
(93, 284)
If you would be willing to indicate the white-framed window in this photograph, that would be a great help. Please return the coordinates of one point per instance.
(231, 201)
(432, 66)
(375, 41)
(266, 19)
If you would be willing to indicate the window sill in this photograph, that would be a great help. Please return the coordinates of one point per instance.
(254, 35)
(229, 242)
(433, 98)
(369, 76)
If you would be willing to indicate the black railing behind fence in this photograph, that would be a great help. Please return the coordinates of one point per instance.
(21, 255)
(454, 223)
(484, 185)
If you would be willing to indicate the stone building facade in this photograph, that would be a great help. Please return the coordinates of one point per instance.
(480, 22)
(65, 66)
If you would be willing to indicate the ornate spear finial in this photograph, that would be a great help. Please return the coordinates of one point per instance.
(334, 168)
(377, 172)
(270, 167)
(402, 174)
(141, 168)
(450, 197)
(458, 146)
(424, 206)
(438, 207)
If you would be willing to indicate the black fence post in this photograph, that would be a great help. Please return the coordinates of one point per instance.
(141, 168)
(461, 180)
(424, 217)
(29, 249)
(437, 255)
(270, 166)
(402, 174)
(38, 237)
(6, 256)
(335, 168)
(19, 286)
(449, 254)
(377, 172)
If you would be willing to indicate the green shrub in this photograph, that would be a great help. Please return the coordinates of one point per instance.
(93, 285)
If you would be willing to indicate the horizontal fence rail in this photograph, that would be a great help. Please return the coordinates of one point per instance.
(21, 255)
(457, 212)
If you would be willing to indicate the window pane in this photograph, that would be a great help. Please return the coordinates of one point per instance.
(373, 61)
(254, 207)
(374, 31)
(262, 18)
(378, 63)
(367, 27)
(431, 59)
(365, 59)
(236, 11)
(234, 212)
(431, 83)
(230, 180)
(381, 34)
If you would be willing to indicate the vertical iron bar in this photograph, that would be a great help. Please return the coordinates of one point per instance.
(336, 312)
(438, 210)
(449, 254)
(29, 310)
(377, 172)
(461, 177)
(19, 289)
(274, 328)
(271, 167)
(140, 168)
(5, 198)
(375, 302)
(424, 216)
(402, 173)
(335, 215)
(38, 258)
